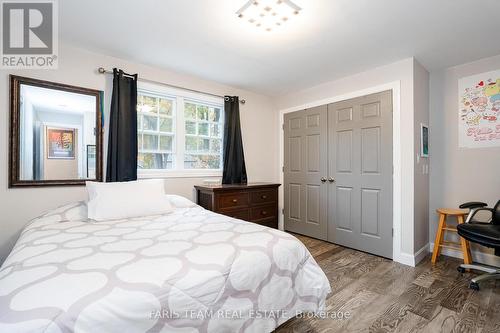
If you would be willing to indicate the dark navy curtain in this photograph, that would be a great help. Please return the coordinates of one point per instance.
(234, 159)
(122, 138)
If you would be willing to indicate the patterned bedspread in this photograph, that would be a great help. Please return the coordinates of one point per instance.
(187, 271)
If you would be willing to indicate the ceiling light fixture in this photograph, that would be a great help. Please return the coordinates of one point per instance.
(268, 14)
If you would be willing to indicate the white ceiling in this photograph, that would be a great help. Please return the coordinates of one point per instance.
(58, 100)
(328, 40)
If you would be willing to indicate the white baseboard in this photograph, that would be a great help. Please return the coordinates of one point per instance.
(422, 253)
(477, 256)
(412, 260)
(405, 259)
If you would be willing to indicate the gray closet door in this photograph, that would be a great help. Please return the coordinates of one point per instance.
(305, 134)
(360, 173)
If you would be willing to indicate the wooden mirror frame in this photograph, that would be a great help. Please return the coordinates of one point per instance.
(14, 131)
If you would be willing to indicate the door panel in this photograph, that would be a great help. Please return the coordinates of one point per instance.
(344, 151)
(370, 150)
(343, 211)
(313, 197)
(360, 162)
(370, 110)
(295, 155)
(370, 212)
(294, 204)
(306, 162)
(313, 153)
(344, 115)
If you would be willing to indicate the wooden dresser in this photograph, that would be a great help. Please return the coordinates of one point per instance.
(254, 202)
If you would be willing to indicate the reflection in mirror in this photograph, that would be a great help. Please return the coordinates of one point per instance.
(57, 134)
(57, 129)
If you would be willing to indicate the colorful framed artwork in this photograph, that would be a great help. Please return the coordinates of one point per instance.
(479, 110)
(60, 143)
(424, 140)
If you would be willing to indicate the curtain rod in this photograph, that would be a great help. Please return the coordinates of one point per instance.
(102, 70)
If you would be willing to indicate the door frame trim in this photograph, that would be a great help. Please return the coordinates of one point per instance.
(395, 87)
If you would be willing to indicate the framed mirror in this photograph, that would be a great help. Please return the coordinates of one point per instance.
(55, 133)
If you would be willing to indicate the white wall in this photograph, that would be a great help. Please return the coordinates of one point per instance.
(26, 124)
(88, 138)
(79, 67)
(421, 165)
(401, 71)
(458, 174)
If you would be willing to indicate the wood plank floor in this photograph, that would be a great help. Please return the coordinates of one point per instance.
(384, 296)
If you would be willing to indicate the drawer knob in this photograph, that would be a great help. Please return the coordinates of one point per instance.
(264, 196)
(235, 200)
(264, 212)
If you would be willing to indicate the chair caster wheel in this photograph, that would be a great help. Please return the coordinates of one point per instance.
(474, 286)
(461, 269)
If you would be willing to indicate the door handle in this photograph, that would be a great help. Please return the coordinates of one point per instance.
(331, 180)
(323, 179)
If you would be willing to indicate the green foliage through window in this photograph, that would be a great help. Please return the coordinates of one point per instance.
(158, 118)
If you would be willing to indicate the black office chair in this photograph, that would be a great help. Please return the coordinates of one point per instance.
(483, 233)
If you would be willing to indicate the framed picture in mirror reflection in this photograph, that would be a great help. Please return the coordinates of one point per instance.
(61, 143)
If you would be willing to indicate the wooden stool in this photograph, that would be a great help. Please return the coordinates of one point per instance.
(439, 243)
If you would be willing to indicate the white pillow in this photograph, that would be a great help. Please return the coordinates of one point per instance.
(180, 202)
(109, 201)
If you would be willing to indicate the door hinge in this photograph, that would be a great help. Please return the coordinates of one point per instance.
(392, 232)
(283, 169)
(283, 127)
(283, 211)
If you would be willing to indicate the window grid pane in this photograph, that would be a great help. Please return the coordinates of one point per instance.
(155, 126)
(199, 123)
(203, 136)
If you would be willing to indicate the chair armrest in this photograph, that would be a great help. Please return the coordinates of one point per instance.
(474, 211)
(473, 204)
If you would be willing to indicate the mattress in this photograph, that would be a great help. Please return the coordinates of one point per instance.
(191, 270)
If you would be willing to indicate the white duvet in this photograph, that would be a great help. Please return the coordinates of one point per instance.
(188, 271)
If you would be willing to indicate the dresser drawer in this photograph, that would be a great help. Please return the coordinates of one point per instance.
(252, 202)
(265, 196)
(263, 212)
(271, 222)
(242, 214)
(233, 200)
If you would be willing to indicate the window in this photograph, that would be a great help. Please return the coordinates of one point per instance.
(179, 132)
(155, 131)
(203, 136)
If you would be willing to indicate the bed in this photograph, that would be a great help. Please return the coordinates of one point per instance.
(190, 270)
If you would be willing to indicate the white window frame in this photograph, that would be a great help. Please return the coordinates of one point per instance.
(180, 96)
